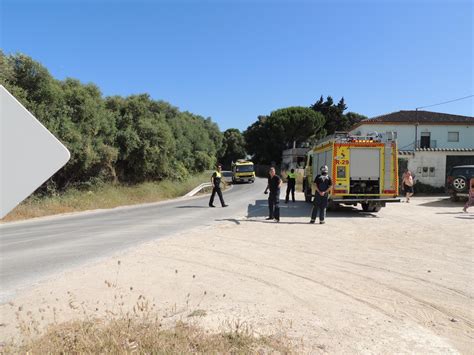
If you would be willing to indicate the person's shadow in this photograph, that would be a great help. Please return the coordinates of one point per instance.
(303, 209)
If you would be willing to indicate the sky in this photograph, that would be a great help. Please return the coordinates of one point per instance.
(235, 60)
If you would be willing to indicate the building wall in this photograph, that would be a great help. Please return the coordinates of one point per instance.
(438, 134)
(430, 167)
(294, 158)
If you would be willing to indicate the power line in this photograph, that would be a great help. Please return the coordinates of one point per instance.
(446, 102)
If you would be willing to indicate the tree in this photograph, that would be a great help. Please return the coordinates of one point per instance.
(117, 139)
(270, 135)
(334, 115)
(144, 140)
(233, 147)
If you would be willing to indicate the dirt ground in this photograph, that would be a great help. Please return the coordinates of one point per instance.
(397, 281)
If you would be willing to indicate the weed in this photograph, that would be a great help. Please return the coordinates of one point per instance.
(102, 196)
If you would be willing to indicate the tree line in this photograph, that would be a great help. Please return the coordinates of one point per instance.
(120, 139)
(136, 138)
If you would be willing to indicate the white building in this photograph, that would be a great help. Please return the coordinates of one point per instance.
(429, 143)
(294, 158)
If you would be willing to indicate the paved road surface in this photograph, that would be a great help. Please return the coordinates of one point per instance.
(33, 250)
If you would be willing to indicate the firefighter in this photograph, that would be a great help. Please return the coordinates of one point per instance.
(274, 185)
(216, 186)
(323, 184)
(290, 185)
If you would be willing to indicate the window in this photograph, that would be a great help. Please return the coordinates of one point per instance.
(425, 140)
(425, 171)
(453, 136)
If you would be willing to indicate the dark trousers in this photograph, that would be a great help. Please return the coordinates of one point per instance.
(290, 188)
(274, 206)
(320, 203)
(219, 193)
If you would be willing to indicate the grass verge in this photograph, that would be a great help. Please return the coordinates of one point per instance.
(144, 337)
(104, 196)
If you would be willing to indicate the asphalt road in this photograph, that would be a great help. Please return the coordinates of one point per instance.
(33, 250)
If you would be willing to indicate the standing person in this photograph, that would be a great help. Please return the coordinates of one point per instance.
(320, 203)
(408, 185)
(290, 185)
(274, 185)
(216, 186)
(470, 201)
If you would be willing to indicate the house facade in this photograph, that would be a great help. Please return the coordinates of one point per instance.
(294, 158)
(422, 129)
(429, 143)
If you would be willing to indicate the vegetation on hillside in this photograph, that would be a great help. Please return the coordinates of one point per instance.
(111, 139)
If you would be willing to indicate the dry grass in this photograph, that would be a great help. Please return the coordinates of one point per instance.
(106, 196)
(144, 336)
(134, 328)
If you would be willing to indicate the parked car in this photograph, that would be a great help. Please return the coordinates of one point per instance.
(457, 182)
(227, 177)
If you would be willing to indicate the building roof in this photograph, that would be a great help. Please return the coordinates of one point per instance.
(410, 152)
(420, 117)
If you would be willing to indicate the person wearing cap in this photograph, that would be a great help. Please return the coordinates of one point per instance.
(323, 183)
(216, 186)
(290, 185)
(274, 185)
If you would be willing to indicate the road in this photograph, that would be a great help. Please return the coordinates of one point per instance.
(33, 250)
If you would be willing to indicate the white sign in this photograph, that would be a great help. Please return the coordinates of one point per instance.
(29, 153)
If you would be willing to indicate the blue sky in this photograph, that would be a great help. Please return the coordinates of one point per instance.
(235, 60)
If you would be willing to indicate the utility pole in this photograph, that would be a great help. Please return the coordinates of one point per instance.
(416, 128)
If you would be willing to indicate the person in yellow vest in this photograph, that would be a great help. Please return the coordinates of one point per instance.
(290, 185)
(216, 179)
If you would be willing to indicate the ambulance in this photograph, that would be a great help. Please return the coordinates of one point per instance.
(363, 169)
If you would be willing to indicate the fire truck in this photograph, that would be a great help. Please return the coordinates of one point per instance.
(243, 171)
(363, 169)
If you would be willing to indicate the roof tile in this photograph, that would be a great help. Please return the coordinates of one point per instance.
(413, 116)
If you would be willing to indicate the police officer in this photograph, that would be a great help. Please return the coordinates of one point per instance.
(274, 185)
(216, 186)
(290, 185)
(323, 184)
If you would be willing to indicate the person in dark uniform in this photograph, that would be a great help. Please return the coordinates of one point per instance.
(216, 186)
(274, 185)
(290, 185)
(320, 203)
